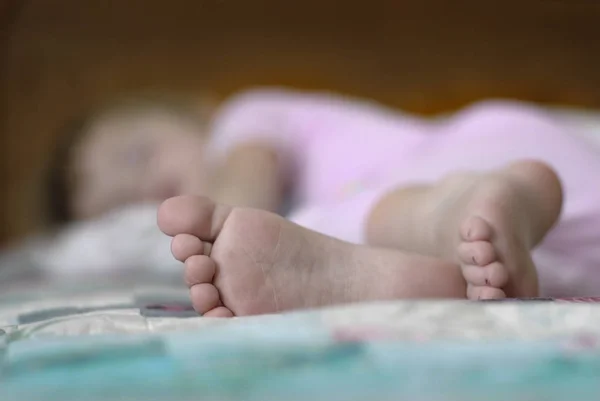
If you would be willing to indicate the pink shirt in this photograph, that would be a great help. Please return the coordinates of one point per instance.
(329, 146)
(342, 155)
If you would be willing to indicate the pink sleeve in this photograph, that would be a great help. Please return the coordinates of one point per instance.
(264, 116)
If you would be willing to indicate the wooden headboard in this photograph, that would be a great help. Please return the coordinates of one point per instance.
(61, 56)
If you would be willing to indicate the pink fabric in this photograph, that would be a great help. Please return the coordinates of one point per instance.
(343, 155)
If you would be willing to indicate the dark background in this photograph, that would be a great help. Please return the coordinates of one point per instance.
(60, 56)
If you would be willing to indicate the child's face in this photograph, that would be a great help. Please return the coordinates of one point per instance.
(140, 158)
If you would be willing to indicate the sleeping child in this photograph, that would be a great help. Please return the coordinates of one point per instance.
(383, 205)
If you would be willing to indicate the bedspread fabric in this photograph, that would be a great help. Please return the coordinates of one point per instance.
(148, 344)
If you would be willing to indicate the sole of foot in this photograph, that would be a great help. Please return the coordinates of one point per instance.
(242, 261)
(491, 222)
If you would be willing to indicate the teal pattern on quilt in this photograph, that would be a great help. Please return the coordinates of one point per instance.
(284, 364)
(157, 351)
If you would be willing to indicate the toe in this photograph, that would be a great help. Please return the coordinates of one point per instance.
(194, 215)
(479, 253)
(219, 311)
(184, 245)
(199, 269)
(483, 293)
(205, 297)
(493, 275)
(475, 228)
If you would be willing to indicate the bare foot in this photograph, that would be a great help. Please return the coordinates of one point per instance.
(488, 223)
(501, 217)
(244, 261)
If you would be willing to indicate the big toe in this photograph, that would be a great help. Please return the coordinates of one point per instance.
(475, 228)
(194, 215)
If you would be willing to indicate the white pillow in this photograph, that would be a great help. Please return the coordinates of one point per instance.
(123, 240)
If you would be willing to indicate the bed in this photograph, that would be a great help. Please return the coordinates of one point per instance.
(133, 335)
(146, 343)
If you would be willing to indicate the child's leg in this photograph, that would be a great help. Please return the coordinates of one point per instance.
(494, 134)
(487, 223)
(486, 138)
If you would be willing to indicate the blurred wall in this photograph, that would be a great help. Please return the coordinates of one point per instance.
(60, 56)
